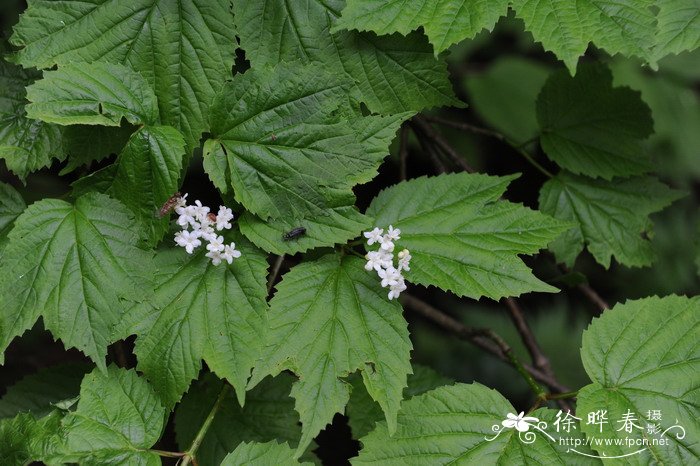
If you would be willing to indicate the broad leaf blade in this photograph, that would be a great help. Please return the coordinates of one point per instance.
(37, 392)
(76, 265)
(643, 355)
(183, 49)
(453, 425)
(462, 238)
(274, 31)
(590, 127)
(270, 453)
(11, 206)
(117, 419)
(148, 174)
(328, 319)
(26, 145)
(363, 412)
(282, 141)
(200, 311)
(612, 216)
(92, 94)
(445, 22)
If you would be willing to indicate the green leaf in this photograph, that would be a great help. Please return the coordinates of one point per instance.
(118, 418)
(363, 412)
(262, 454)
(11, 206)
(452, 425)
(328, 319)
(200, 311)
(24, 438)
(268, 414)
(392, 74)
(37, 392)
(85, 144)
(145, 175)
(184, 49)
(591, 128)
(462, 237)
(641, 356)
(566, 28)
(26, 145)
(275, 135)
(678, 27)
(509, 108)
(612, 216)
(77, 266)
(445, 22)
(92, 94)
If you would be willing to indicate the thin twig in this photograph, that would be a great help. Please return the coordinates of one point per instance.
(533, 348)
(593, 296)
(465, 127)
(495, 134)
(403, 152)
(274, 272)
(588, 291)
(483, 338)
(192, 451)
(539, 359)
(169, 454)
(428, 149)
(430, 132)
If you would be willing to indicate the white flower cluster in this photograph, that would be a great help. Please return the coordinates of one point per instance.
(382, 260)
(204, 226)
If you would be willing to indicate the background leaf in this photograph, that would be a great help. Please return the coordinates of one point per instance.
(592, 128)
(261, 453)
(268, 414)
(612, 216)
(641, 356)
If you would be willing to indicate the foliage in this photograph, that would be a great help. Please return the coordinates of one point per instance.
(324, 125)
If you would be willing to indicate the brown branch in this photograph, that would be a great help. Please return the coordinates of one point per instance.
(403, 152)
(428, 149)
(465, 127)
(593, 296)
(483, 338)
(427, 129)
(533, 348)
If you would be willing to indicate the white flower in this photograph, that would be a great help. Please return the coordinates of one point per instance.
(215, 257)
(374, 261)
(390, 276)
(188, 240)
(404, 260)
(216, 244)
(180, 204)
(223, 218)
(207, 232)
(201, 213)
(393, 233)
(395, 290)
(230, 253)
(387, 244)
(184, 220)
(386, 258)
(520, 422)
(374, 236)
